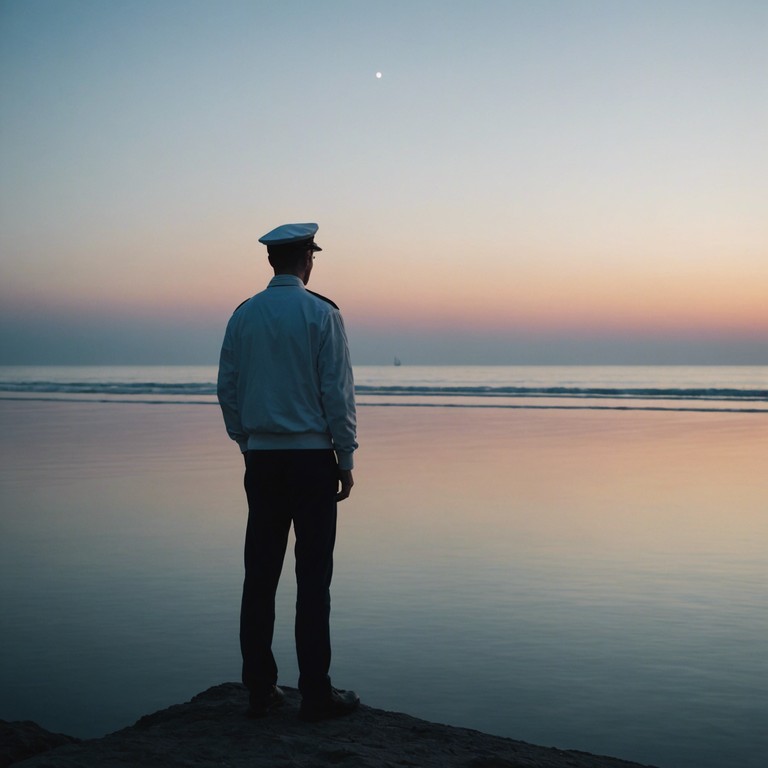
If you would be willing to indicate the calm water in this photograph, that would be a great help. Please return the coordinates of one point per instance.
(576, 578)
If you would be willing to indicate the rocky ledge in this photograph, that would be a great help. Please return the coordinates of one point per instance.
(211, 730)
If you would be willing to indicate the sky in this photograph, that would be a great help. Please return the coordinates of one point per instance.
(527, 182)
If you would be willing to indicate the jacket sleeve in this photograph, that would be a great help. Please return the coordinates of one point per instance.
(226, 389)
(337, 390)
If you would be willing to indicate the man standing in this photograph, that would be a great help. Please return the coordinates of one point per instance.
(286, 392)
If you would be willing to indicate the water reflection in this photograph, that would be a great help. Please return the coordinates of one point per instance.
(580, 579)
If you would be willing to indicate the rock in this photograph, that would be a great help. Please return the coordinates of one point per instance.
(212, 730)
(24, 739)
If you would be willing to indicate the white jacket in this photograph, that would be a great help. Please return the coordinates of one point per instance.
(285, 376)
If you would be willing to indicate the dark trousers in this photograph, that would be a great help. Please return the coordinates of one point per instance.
(284, 487)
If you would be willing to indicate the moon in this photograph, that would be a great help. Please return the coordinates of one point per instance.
(378, 75)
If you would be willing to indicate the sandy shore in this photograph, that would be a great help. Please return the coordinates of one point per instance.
(211, 730)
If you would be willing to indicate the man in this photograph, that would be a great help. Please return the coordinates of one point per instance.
(286, 391)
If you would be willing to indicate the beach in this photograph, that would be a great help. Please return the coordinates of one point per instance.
(578, 579)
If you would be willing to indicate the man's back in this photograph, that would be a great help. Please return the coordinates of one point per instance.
(285, 379)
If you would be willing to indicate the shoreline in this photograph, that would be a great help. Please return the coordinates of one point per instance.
(211, 730)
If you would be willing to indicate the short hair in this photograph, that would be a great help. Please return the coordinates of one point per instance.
(287, 257)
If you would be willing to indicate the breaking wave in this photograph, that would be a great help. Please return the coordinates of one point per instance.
(746, 399)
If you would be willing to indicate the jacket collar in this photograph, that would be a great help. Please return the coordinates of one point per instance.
(282, 281)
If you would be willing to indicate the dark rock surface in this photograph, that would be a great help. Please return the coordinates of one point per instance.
(24, 739)
(212, 730)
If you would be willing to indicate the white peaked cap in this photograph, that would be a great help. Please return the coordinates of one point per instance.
(286, 234)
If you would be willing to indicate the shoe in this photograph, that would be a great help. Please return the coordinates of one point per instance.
(338, 704)
(262, 705)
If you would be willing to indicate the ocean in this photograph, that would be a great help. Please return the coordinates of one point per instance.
(737, 388)
(571, 556)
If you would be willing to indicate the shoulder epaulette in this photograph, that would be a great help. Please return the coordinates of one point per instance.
(323, 298)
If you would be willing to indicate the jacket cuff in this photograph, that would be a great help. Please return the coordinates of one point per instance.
(346, 460)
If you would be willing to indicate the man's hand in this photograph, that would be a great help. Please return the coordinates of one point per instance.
(345, 478)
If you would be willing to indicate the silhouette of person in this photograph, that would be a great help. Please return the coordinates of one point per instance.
(286, 392)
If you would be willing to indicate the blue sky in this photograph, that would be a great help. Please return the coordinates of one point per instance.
(528, 182)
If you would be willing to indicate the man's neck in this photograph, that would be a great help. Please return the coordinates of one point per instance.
(301, 275)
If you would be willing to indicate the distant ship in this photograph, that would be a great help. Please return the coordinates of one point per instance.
(397, 361)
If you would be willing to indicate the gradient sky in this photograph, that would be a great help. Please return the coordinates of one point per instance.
(528, 182)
